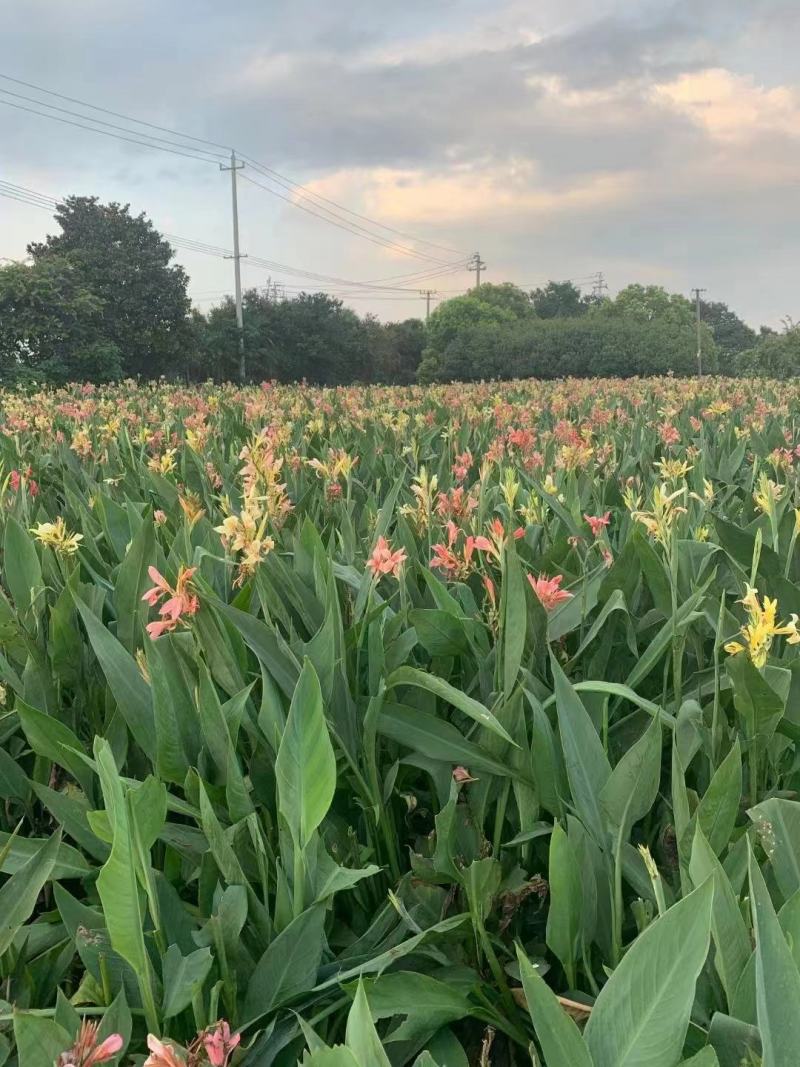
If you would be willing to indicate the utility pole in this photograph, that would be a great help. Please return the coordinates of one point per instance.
(476, 264)
(236, 257)
(697, 293)
(427, 294)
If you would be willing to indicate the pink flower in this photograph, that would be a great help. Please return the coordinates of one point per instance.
(462, 775)
(548, 590)
(598, 522)
(162, 1055)
(85, 1052)
(219, 1043)
(105, 1050)
(14, 480)
(384, 561)
(180, 601)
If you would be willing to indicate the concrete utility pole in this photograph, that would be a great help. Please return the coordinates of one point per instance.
(236, 257)
(427, 293)
(477, 264)
(697, 293)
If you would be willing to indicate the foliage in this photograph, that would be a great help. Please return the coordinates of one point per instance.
(776, 356)
(593, 345)
(400, 726)
(560, 300)
(125, 264)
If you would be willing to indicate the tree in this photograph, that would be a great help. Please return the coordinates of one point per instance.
(125, 263)
(731, 333)
(559, 300)
(51, 325)
(506, 296)
(777, 355)
(648, 303)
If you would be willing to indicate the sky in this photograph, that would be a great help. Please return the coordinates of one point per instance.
(657, 142)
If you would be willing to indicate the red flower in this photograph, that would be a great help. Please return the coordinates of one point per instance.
(598, 522)
(384, 561)
(548, 590)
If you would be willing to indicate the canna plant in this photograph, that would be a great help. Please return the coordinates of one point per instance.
(439, 726)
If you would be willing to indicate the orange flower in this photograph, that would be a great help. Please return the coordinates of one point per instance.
(181, 601)
(384, 561)
(162, 1055)
(548, 590)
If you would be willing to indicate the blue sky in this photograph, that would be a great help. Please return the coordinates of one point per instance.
(657, 142)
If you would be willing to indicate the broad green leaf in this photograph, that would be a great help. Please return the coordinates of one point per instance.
(514, 616)
(19, 894)
(719, 808)
(730, 935)
(439, 632)
(306, 764)
(21, 568)
(39, 1040)
(777, 822)
(289, 966)
(777, 979)
(361, 1036)
(131, 582)
(707, 1057)
(642, 1013)
(561, 1040)
(183, 977)
(131, 691)
(586, 763)
(442, 689)
(117, 883)
(51, 738)
(564, 916)
(632, 788)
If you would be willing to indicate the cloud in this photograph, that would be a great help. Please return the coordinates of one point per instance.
(731, 107)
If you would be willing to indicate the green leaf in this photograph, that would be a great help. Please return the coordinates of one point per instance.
(131, 582)
(40, 1041)
(564, 914)
(289, 966)
(306, 764)
(19, 894)
(439, 632)
(728, 930)
(131, 691)
(513, 615)
(361, 1036)
(183, 977)
(558, 1035)
(117, 883)
(757, 703)
(706, 1057)
(51, 738)
(777, 979)
(632, 788)
(586, 763)
(719, 808)
(777, 822)
(442, 689)
(642, 1014)
(22, 570)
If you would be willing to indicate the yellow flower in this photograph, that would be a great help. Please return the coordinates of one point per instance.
(661, 519)
(767, 494)
(672, 470)
(761, 627)
(56, 535)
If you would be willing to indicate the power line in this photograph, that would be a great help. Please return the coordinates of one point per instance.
(107, 133)
(41, 200)
(317, 199)
(351, 228)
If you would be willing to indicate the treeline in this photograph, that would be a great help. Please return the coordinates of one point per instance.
(102, 300)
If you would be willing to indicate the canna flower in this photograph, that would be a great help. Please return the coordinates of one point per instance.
(180, 601)
(86, 1052)
(760, 629)
(660, 521)
(219, 1043)
(384, 561)
(597, 523)
(56, 535)
(672, 470)
(549, 590)
(162, 1055)
(767, 494)
(497, 535)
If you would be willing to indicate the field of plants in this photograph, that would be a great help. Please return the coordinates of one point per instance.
(442, 726)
